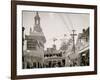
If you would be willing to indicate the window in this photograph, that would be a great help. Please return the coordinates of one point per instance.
(31, 44)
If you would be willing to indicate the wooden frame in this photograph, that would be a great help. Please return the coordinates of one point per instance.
(14, 39)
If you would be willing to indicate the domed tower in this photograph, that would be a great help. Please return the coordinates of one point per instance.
(35, 45)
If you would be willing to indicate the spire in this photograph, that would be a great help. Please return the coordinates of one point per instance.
(37, 19)
(37, 27)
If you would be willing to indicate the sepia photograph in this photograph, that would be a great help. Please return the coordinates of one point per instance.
(53, 39)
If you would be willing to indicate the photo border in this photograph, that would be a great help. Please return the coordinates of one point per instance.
(14, 38)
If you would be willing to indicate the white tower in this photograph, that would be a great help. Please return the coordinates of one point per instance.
(35, 45)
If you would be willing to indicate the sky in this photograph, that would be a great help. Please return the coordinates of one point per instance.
(55, 25)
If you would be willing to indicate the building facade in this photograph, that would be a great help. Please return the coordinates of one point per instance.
(83, 47)
(34, 53)
(81, 56)
(54, 58)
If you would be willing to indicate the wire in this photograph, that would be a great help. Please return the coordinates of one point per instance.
(69, 19)
(63, 20)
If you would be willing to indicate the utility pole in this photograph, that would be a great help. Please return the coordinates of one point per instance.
(73, 36)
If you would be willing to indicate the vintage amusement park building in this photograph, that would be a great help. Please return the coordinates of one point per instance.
(83, 47)
(34, 53)
(54, 57)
